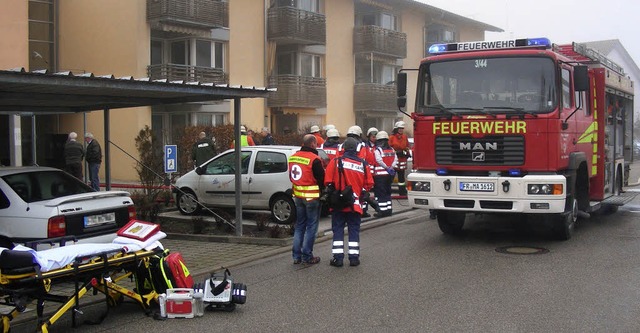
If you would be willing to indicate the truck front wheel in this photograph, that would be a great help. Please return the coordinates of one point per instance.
(564, 224)
(451, 222)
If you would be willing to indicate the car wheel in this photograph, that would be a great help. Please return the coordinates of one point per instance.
(451, 222)
(283, 210)
(188, 203)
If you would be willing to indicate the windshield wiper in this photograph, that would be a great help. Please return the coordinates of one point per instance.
(441, 108)
(509, 108)
(481, 110)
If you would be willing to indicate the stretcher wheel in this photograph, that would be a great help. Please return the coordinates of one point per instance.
(114, 300)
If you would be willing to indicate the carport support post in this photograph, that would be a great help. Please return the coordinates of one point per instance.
(238, 152)
(107, 154)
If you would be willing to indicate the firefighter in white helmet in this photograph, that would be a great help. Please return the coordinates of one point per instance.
(400, 143)
(245, 140)
(363, 152)
(315, 130)
(386, 161)
(331, 145)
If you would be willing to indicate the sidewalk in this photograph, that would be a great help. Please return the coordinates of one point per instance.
(205, 254)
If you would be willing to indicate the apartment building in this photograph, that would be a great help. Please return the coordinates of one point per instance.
(333, 62)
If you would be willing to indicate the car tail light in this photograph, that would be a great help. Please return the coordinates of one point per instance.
(132, 212)
(57, 227)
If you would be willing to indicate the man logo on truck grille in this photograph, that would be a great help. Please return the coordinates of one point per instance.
(477, 156)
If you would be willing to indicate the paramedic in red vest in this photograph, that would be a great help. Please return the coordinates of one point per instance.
(331, 145)
(363, 152)
(315, 130)
(386, 161)
(354, 173)
(400, 143)
(307, 176)
(245, 140)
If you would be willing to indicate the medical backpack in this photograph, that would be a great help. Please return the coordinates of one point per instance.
(166, 271)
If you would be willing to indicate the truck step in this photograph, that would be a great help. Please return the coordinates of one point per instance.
(621, 199)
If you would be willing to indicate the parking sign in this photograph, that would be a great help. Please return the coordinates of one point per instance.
(170, 158)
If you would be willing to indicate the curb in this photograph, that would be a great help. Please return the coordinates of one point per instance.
(323, 236)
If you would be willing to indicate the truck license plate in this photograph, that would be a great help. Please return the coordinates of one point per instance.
(476, 187)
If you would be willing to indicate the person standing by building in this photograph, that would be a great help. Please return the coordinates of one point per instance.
(245, 140)
(400, 143)
(94, 159)
(267, 138)
(315, 130)
(348, 170)
(203, 150)
(307, 177)
(73, 155)
(362, 152)
(384, 172)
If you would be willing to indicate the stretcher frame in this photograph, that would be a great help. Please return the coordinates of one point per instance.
(101, 272)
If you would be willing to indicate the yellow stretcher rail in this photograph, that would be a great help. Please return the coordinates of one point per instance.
(101, 272)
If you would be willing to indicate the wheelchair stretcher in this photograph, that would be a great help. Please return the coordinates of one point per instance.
(23, 281)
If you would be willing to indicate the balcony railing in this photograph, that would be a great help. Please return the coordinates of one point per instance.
(298, 91)
(173, 72)
(287, 24)
(204, 14)
(374, 39)
(374, 97)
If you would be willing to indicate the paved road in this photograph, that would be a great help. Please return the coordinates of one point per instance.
(413, 278)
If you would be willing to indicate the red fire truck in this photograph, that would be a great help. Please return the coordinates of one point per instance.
(519, 126)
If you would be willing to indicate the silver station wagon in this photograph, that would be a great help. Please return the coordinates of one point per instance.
(42, 203)
(265, 181)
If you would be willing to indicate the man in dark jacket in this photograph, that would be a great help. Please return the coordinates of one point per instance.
(267, 137)
(203, 150)
(94, 159)
(73, 155)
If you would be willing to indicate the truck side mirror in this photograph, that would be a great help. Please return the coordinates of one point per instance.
(401, 89)
(401, 84)
(580, 78)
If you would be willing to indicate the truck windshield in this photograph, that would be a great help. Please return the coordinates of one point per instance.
(523, 85)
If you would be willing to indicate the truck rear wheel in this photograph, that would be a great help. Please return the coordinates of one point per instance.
(451, 222)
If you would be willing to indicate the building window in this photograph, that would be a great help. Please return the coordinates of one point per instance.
(380, 73)
(384, 20)
(303, 64)
(179, 52)
(308, 5)
(156, 52)
(437, 33)
(41, 35)
(208, 53)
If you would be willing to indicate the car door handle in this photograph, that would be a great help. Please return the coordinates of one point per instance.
(250, 179)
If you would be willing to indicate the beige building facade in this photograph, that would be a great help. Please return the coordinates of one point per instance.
(333, 62)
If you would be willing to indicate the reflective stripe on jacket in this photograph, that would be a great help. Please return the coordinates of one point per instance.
(305, 185)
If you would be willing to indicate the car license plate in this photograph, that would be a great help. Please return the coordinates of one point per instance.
(476, 187)
(100, 219)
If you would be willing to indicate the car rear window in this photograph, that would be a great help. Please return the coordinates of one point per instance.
(270, 162)
(44, 185)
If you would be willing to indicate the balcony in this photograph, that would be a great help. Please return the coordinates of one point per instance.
(374, 39)
(288, 25)
(171, 15)
(374, 97)
(298, 91)
(173, 72)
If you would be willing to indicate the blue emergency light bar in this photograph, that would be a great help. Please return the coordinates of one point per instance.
(491, 45)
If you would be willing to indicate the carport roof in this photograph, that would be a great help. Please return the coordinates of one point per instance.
(40, 92)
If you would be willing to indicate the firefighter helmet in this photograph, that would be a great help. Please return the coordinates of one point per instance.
(399, 124)
(372, 130)
(329, 126)
(355, 129)
(333, 133)
(243, 129)
(382, 135)
(315, 129)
